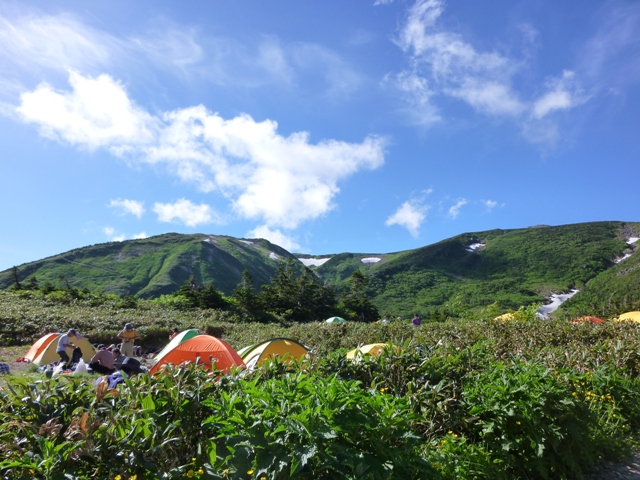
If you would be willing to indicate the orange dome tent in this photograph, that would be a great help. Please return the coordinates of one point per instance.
(587, 319)
(37, 348)
(204, 349)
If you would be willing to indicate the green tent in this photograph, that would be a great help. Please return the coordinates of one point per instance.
(336, 320)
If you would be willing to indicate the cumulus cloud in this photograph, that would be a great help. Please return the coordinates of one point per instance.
(185, 212)
(276, 237)
(140, 235)
(454, 210)
(132, 207)
(279, 180)
(96, 113)
(410, 215)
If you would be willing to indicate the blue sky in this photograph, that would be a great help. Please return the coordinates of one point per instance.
(325, 127)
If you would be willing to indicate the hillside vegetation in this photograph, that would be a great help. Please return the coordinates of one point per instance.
(507, 268)
(464, 399)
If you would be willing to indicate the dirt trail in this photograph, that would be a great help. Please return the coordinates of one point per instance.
(629, 470)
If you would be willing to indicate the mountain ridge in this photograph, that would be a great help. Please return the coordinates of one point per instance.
(512, 267)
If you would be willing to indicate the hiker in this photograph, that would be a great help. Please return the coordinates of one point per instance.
(128, 335)
(118, 357)
(63, 344)
(385, 319)
(4, 369)
(129, 368)
(416, 320)
(102, 361)
(174, 333)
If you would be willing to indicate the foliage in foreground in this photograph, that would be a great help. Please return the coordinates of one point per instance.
(438, 412)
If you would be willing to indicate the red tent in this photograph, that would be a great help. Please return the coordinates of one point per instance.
(204, 349)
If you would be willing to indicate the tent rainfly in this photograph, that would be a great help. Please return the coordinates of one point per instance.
(372, 349)
(281, 347)
(48, 353)
(37, 348)
(587, 319)
(336, 320)
(630, 316)
(210, 352)
(175, 341)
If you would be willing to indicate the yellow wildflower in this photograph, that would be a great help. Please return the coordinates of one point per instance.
(200, 471)
(250, 472)
(117, 477)
(190, 473)
(518, 423)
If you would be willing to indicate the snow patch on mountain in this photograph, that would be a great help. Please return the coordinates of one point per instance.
(370, 260)
(556, 300)
(474, 247)
(314, 262)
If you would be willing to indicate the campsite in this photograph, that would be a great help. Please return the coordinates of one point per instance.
(481, 397)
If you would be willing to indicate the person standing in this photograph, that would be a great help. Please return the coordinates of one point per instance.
(64, 342)
(128, 335)
(416, 321)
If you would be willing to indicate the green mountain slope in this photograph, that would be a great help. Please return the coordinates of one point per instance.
(512, 267)
(158, 265)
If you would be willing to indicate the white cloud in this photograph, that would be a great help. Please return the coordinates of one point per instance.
(454, 67)
(563, 94)
(54, 42)
(493, 98)
(442, 63)
(140, 235)
(382, 2)
(276, 237)
(132, 207)
(111, 233)
(490, 204)
(410, 215)
(96, 113)
(186, 212)
(418, 94)
(279, 180)
(454, 210)
(169, 46)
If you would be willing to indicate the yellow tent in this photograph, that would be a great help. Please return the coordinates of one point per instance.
(630, 316)
(505, 316)
(42, 343)
(282, 347)
(372, 349)
(49, 355)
